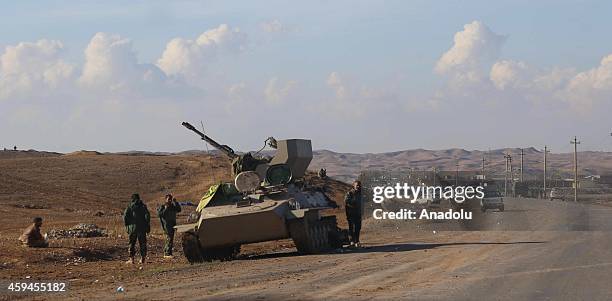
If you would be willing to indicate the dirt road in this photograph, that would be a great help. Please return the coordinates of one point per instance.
(535, 250)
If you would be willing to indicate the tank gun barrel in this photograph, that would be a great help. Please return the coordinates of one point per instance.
(228, 151)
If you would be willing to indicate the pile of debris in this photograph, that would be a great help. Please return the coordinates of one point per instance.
(78, 231)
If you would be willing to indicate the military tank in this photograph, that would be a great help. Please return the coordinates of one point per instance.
(268, 200)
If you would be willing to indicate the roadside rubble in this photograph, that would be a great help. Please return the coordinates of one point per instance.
(78, 231)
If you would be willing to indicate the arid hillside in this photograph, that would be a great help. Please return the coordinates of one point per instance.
(91, 181)
(94, 188)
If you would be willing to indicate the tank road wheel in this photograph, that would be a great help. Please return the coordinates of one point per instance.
(221, 253)
(310, 237)
(191, 247)
(195, 253)
(336, 236)
(232, 252)
(297, 231)
(227, 253)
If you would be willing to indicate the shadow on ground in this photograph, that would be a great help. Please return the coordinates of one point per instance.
(388, 248)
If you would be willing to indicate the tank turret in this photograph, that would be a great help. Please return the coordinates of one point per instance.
(295, 154)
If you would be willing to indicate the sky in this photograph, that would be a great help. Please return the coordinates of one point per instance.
(352, 76)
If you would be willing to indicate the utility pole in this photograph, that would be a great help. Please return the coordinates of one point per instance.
(575, 143)
(457, 175)
(522, 165)
(483, 166)
(511, 175)
(434, 175)
(508, 158)
(546, 151)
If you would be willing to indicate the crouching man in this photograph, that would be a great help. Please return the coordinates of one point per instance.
(32, 237)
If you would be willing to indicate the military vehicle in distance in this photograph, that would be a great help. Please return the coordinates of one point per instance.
(268, 200)
(492, 199)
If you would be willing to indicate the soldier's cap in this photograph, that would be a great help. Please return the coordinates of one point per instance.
(135, 196)
(37, 219)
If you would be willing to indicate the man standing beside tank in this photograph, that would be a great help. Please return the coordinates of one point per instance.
(138, 224)
(167, 215)
(354, 206)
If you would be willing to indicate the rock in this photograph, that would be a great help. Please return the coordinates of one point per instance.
(78, 231)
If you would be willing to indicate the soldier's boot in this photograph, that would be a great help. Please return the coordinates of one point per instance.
(131, 260)
(143, 260)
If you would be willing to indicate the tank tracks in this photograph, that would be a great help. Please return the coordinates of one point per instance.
(195, 253)
(316, 236)
(310, 236)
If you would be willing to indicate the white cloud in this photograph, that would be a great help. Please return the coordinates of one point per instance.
(33, 67)
(236, 91)
(273, 26)
(276, 92)
(474, 50)
(335, 81)
(553, 80)
(578, 89)
(353, 100)
(36, 71)
(349, 99)
(476, 73)
(506, 73)
(600, 77)
(111, 63)
(190, 57)
(592, 85)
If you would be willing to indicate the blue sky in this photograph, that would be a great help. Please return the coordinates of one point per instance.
(355, 76)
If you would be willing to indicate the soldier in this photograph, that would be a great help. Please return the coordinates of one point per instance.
(167, 215)
(32, 237)
(353, 206)
(138, 223)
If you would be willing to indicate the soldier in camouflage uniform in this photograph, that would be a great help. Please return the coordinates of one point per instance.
(167, 215)
(354, 206)
(138, 224)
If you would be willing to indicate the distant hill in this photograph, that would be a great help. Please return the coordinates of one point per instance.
(11, 154)
(347, 166)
